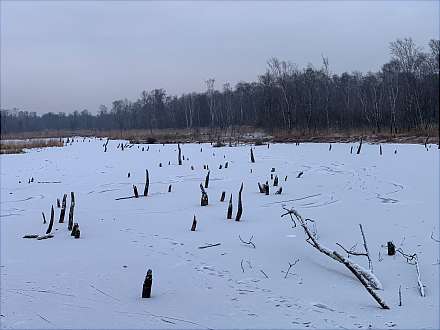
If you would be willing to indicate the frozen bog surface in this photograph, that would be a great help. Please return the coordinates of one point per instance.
(96, 281)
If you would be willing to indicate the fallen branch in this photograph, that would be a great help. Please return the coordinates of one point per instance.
(290, 266)
(209, 245)
(248, 242)
(368, 280)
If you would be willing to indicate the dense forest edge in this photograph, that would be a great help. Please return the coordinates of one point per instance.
(399, 103)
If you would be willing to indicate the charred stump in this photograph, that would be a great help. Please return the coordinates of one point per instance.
(147, 183)
(204, 198)
(207, 179)
(146, 288)
(222, 197)
(135, 191)
(252, 157)
(52, 215)
(229, 215)
(194, 224)
(72, 207)
(240, 205)
(63, 209)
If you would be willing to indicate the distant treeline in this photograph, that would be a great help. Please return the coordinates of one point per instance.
(402, 96)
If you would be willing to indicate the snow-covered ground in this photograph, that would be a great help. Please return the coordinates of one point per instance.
(96, 281)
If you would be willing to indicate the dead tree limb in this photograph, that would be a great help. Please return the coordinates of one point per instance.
(248, 242)
(370, 264)
(209, 245)
(264, 273)
(240, 205)
(368, 279)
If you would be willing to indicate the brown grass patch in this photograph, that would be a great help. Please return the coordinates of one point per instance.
(18, 146)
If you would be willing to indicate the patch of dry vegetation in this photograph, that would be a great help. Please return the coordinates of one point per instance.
(18, 146)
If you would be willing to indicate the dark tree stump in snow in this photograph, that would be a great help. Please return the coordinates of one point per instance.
(226, 165)
(271, 176)
(351, 149)
(74, 229)
(252, 157)
(240, 206)
(229, 215)
(391, 248)
(359, 148)
(44, 218)
(222, 197)
(279, 191)
(194, 224)
(128, 175)
(72, 207)
(169, 188)
(266, 188)
(146, 288)
(77, 233)
(52, 216)
(147, 183)
(179, 157)
(58, 203)
(204, 198)
(207, 179)
(272, 170)
(380, 150)
(275, 181)
(135, 191)
(63, 209)
(261, 188)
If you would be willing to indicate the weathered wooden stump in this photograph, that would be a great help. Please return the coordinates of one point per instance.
(77, 233)
(272, 170)
(148, 282)
(135, 191)
(380, 150)
(74, 229)
(204, 198)
(169, 188)
(279, 191)
(63, 209)
(222, 197)
(275, 181)
(72, 207)
(261, 188)
(58, 203)
(240, 205)
(252, 157)
(266, 188)
(128, 175)
(147, 183)
(226, 165)
(52, 216)
(179, 157)
(229, 214)
(194, 224)
(220, 167)
(391, 248)
(44, 218)
(207, 179)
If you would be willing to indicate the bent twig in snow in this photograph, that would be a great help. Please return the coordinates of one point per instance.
(248, 242)
(209, 245)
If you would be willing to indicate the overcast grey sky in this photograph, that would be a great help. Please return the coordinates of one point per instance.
(66, 56)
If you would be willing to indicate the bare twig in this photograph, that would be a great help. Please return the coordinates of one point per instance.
(290, 266)
(370, 264)
(209, 245)
(264, 273)
(351, 251)
(248, 242)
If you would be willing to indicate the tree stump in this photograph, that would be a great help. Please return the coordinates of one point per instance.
(240, 206)
(77, 233)
(261, 188)
(222, 197)
(72, 207)
(74, 229)
(179, 157)
(229, 215)
(44, 218)
(147, 183)
(63, 209)
(391, 248)
(207, 179)
(52, 216)
(194, 224)
(252, 157)
(135, 191)
(146, 288)
(275, 181)
(279, 191)
(58, 203)
(272, 170)
(169, 188)
(266, 188)
(204, 198)
(226, 165)
(128, 175)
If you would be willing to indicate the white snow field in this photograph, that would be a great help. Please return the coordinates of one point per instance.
(96, 281)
